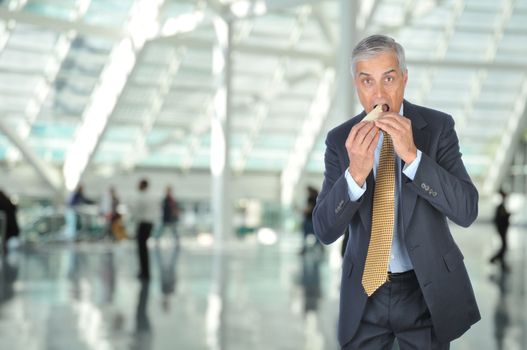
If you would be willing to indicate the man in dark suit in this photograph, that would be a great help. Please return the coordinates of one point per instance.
(426, 299)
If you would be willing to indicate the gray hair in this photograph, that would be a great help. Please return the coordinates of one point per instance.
(373, 46)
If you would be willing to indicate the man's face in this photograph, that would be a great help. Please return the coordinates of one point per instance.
(379, 80)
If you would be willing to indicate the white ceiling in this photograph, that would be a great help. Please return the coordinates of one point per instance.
(466, 58)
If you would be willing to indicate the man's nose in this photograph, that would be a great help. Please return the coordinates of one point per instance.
(379, 91)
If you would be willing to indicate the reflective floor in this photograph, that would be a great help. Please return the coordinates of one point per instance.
(246, 296)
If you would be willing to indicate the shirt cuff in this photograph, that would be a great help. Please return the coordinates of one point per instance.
(410, 169)
(354, 190)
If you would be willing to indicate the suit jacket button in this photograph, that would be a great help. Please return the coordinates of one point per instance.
(423, 186)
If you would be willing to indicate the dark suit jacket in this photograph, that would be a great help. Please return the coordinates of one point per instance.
(441, 189)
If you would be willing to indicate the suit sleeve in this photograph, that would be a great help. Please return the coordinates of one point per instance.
(444, 181)
(334, 209)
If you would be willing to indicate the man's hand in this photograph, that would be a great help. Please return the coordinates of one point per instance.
(360, 144)
(400, 129)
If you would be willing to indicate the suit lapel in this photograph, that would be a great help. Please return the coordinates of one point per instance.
(421, 140)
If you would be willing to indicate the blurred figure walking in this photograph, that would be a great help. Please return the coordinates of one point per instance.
(75, 203)
(109, 209)
(10, 222)
(501, 221)
(170, 217)
(307, 225)
(144, 214)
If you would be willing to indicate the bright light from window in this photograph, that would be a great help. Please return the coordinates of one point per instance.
(260, 8)
(143, 23)
(182, 24)
(241, 8)
(267, 236)
(205, 239)
(244, 8)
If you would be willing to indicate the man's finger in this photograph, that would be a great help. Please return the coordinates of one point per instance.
(354, 130)
(374, 142)
(364, 132)
(369, 138)
(389, 125)
(359, 131)
(393, 122)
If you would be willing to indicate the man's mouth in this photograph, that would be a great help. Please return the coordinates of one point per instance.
(385, 107)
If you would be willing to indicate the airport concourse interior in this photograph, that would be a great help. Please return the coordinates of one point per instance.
(160, 161)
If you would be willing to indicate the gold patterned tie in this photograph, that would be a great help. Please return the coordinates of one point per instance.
(376, 266)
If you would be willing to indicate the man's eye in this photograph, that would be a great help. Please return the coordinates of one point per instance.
(367, 81)
(389, 79)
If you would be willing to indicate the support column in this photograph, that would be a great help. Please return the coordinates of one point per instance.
(220, 129)
(346, 99)
(221, 175)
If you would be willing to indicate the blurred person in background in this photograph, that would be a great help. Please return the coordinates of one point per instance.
(73, 218)
(10, 224)
(167, 262)
(307, 223)
(502, 222)
(170, 217)
(144, 214)
(143, 337)
(78, 197)
(109, 209)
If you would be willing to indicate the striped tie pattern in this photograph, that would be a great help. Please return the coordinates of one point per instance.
(376, 267)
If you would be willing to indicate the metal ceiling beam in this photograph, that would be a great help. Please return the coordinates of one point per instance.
(47, 173)
(60, 25)
(275, 5)
(410, 13)
(263, 50)
(458, 64)
(249, 9)
(116, 34)
(252, 49)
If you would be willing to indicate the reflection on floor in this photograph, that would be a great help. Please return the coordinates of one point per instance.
(247, 296)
